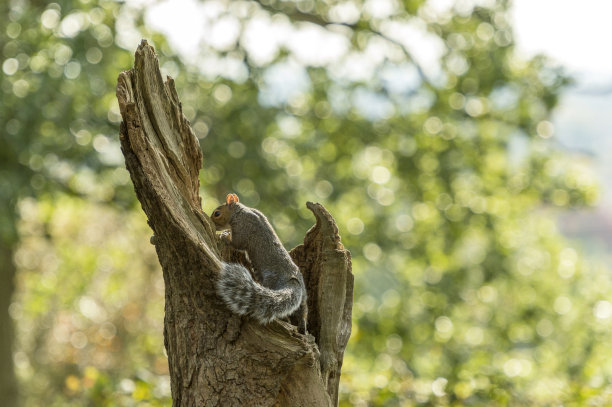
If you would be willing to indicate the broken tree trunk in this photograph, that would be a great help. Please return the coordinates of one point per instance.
(216, 357)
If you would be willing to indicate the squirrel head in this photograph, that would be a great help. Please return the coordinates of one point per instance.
(222, 214)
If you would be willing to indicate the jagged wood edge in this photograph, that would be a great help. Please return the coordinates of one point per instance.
(327, 270)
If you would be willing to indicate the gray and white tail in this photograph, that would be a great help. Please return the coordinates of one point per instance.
(245, 296)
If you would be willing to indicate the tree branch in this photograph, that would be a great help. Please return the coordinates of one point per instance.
(296, 15)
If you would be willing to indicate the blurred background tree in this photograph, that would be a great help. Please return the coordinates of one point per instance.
(59, 62)
(421, 130)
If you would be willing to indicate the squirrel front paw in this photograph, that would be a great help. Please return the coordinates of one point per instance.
(226, 237)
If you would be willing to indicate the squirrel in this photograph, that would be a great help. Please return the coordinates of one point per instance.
(282, 291)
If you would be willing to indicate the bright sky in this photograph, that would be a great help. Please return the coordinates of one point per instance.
(576, 33)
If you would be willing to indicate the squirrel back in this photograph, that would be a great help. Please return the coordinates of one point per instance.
(282, 290)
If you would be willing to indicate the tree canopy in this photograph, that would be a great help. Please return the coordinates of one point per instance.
(421, 129)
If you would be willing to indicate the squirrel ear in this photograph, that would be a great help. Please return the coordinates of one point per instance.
(231, 198)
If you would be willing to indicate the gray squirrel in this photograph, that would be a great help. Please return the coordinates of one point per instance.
(282, 291)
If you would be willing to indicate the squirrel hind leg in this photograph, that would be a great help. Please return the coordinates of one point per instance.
(300, 318)
(302, 326)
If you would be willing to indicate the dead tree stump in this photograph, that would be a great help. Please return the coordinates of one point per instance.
(216, 357)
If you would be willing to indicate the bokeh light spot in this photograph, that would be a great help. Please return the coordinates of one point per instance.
(603, 310)
(438, 386)
(10, 66)
(355, 226)
(380, 174)
(50, 18)
(236, 149)
(372, 251)
(545, 129)
(323, 189)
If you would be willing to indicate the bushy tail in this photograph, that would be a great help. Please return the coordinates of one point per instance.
(245, 296)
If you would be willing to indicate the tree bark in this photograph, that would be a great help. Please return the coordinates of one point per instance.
(8, 382)
(216, 357)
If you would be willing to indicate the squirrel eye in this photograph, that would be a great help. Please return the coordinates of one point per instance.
(217, 213)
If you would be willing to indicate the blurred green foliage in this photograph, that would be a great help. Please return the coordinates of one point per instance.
(87, 334)
(444, 182)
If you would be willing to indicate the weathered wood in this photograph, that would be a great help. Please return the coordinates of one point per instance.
(216, 357)
(326, 266)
